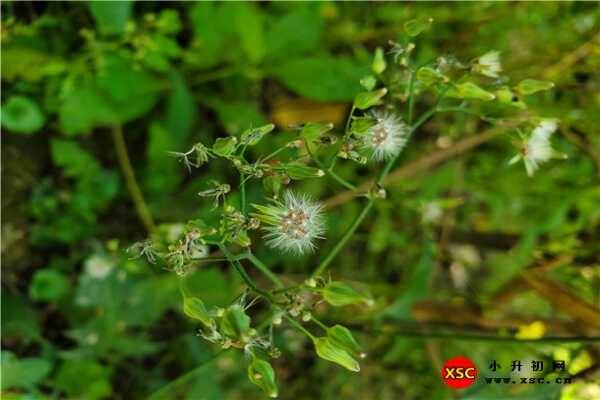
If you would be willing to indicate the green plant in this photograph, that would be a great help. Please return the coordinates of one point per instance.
(293, 223)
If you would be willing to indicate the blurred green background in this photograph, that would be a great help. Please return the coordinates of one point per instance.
(451, 252)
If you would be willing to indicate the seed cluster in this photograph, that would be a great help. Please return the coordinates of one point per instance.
(294, 223)
(379, 135)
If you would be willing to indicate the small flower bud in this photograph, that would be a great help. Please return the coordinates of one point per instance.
(261, 373)
(306, 316)
(342, 337)
(339, 294)
(331, 352)
(311, 282)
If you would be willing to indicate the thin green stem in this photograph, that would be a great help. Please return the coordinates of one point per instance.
(489, 338)
(329, 171)
(420, 121)
(298, 326)
(468, 112)
(164, 392)
(384, 172)
(243, 185)
(214, 75)
(273, 154)
(347, 235)
(132, 185)
(411, 97)
(244, 275)
(287, 289)
(346, 135)
(264, 269)
(322, 325)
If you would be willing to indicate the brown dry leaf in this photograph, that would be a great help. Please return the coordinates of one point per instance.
(562, 298)
(287, 111)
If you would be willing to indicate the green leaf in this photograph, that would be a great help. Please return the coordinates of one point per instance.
(368, 82)
(19, 321)
(29, 64)
(314, 130)
(365, 100)
(193, 307)
(252, 136)
(235, 323)
(48, 284)
(331, 352)
(119, 94)
(298, 171)
(321, 78)
(163, 173)
(84, 378)
(469, 90)
(530, 86)
(506, 96)
(361, 125)
(22, 115)
(131, 92)
(415, 26)
(76, 162)
(341, 337)
(111, 16)
(430, 76)
(340, 294)
(212, 32)
(379, 65)
(261, 373)
(83, 108)
(225, 146)
(22, 373)
(272, 184)
(294, 33)
(248, 21)
(236, 116)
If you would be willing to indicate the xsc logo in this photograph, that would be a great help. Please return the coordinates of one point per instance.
(459, 372)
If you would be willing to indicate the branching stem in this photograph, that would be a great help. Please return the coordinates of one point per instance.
(132, 185)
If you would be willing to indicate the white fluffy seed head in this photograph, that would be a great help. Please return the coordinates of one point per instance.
(537, 148)
(387, 137)
(489, 64)
(297, 222)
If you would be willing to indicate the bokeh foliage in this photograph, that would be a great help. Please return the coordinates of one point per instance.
(450, 248)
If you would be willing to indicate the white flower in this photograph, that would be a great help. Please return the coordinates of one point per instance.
(489, 64)
(537, 148)
(387, 137)
(294, 224)
(98, 267)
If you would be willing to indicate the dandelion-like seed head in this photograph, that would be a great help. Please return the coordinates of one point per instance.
(537, 148)
(293, 224)
(489, 64)
(387, 137)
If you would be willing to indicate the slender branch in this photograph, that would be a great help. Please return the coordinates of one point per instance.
(132, 185)
(243, 184)
(422, 164)
(329, 171)
(347, 235)
(411, 97)
(273, 154)
(244, 275)
(264, 269)
(346, 134)
(298, 326)
(490, 338)
(163, 393)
